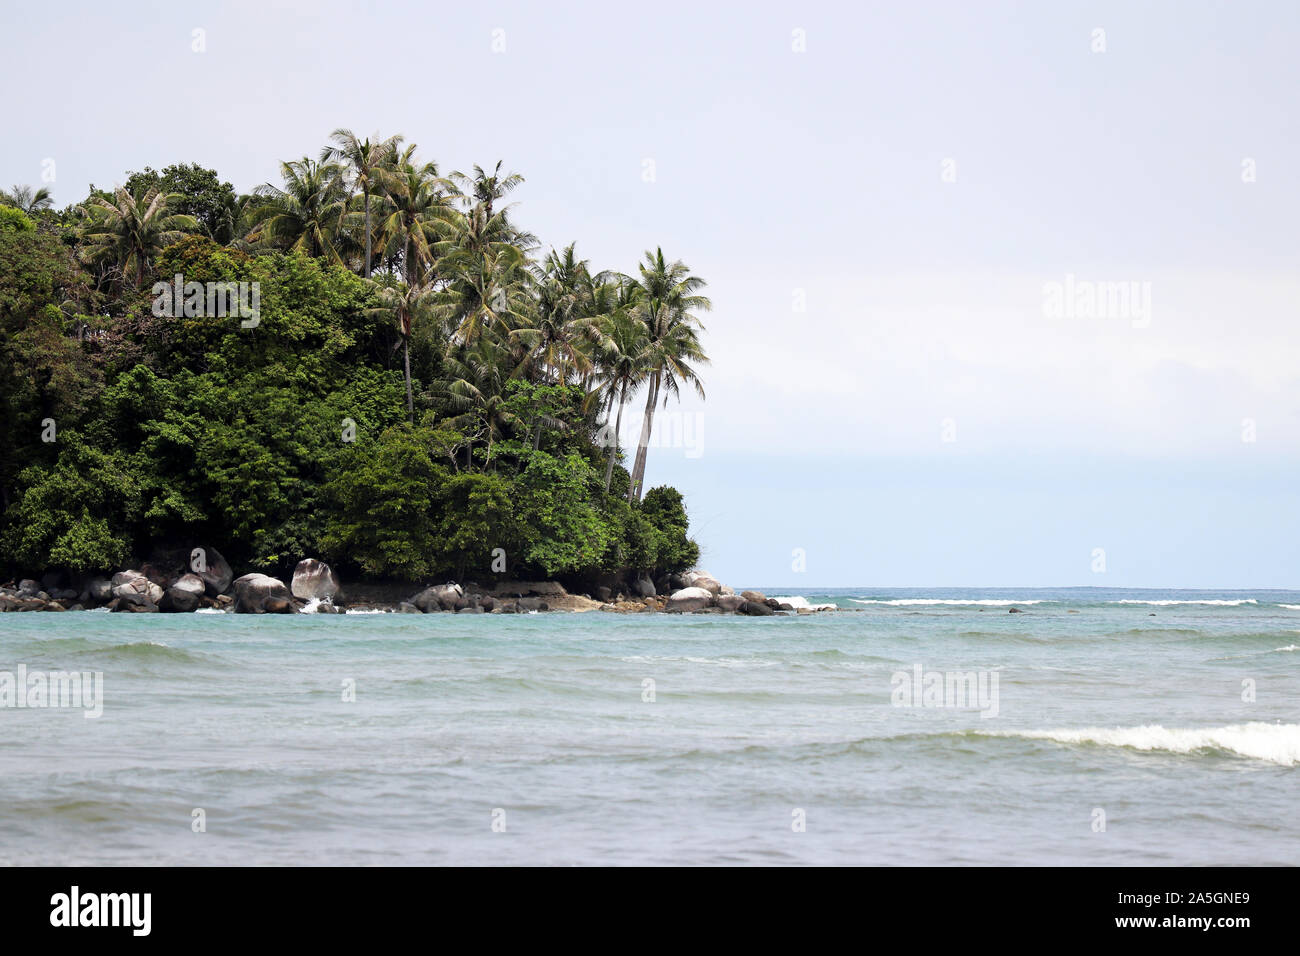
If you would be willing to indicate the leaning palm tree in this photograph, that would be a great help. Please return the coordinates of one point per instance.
(665, 297)
(303, 216)
(27, 199)
(130, 230)
(621, 346)
(362, 159)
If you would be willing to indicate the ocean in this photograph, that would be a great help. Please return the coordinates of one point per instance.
(916, 726)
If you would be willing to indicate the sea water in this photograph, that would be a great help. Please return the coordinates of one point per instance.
(1113, 727)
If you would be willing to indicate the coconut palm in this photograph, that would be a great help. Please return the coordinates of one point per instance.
(130, 231)
(555, 334)
(403, 304)
(27, 199)
(304, 215)
(362, 159)
(620, 347)
(477, 387)
(664, 299)
(418, 210)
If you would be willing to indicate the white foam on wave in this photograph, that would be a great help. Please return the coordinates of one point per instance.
(1290, 607)
(1289, 647)
(912, 602)
(1274, 743)
(796, 601)
(210, 610)
(366, 610)
(1212, 603)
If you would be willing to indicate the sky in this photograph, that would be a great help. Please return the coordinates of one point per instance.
(996, 286)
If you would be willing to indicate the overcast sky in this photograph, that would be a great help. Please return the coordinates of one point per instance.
(884, 199)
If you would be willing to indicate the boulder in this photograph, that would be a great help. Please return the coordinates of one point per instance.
(407, 608)
(129, 600)
(604, 593)
(29, 588)
(531, 604)
(730, 602)
(525, 588)
(100, 589)
(314, 580)
(754, 609)
(758, 597)
(642, 586)
(439, 597)
(183, 596)
(208, 564)
(689, 599)
(134, 583)
(702, 579)
(261, 594)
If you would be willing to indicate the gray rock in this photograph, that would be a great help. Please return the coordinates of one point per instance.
(100, 589)
(730, 602)
(262, 594)
(314, 580)
(208, 564)
(689, 599)
(702, 579)
(134, 583)
(407, 608)
(183, 596)
(642, 586)
(29, 588)
(758, 597)
(440, 597)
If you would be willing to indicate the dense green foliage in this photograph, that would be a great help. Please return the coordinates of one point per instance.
(413, 395)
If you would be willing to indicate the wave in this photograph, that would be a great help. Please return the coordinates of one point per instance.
(1290, 607)
(795, 601)
(146, 651)
(1213, 603)
(912, 602)
(1274, 743)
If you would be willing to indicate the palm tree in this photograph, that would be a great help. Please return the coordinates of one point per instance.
(554, 334)
(664, 298)
(28, 200)
(303, 216)
(482, 191)
(417, 215)
(404, 303)
(478, 387)
(132, 230)
(621, 344)
(363, 159)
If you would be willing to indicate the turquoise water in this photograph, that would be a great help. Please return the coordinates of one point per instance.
(753, 719)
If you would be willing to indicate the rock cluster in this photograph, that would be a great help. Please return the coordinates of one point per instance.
(207, 582)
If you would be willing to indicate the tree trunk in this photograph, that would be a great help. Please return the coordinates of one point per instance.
(406, 356)
(647, 424)
(613, 454)
(367, 232)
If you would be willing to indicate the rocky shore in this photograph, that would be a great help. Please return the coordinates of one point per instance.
(207, 583)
